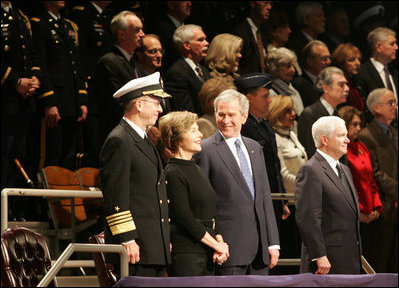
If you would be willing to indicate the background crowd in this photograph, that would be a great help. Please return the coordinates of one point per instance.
(62, 62)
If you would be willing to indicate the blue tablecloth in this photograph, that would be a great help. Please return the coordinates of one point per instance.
(298, 280)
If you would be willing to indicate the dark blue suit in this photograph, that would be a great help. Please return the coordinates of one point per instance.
(245, 224)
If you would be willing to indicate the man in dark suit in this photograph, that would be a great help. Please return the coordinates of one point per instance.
(116, 68)
(379, 71)
(327, 210)
(315, 57)
(244, 211)
(95, 40)
(133, 181)
(256, 87)
(333, 84)
(56, 42)
(255, 40)
(311, 20)
(173, 16)
(186, 76)
(382, 141)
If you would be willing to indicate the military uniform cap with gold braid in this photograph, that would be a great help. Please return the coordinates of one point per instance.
(150, 85)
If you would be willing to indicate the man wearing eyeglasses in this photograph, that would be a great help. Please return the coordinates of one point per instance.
(382, 141)
(150, 54)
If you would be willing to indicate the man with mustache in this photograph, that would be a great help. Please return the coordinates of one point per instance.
(332, 82)
(186, 76)
(327, 210)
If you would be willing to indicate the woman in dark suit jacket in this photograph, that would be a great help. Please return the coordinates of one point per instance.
(192, 200)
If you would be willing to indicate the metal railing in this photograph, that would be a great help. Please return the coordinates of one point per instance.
(79, 247)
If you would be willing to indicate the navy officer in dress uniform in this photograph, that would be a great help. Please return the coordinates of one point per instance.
(133, 181)
(93, 19)
(56, 41)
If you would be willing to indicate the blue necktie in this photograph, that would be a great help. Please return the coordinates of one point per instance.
(245, 168)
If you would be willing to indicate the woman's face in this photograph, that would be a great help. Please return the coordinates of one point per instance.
(354, 128)
(282, 34)
(191, 141)
(238, 56)
(352, 64)
(286, 72)
(287, 117)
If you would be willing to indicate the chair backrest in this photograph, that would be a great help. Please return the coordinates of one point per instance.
(105, 271)
(25, 258)
(64, 179)
(88, 177)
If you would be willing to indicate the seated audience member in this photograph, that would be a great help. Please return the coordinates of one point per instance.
(250, 30)
(332, 83)
(381, 140)
(311, 20)
(379, 71)
(195, 242)
(223, 57)
(338, 28)
(292, 156)
(327, 208)
(315, 57)
(278, 32)
(291, 153)
(209, 91)
(186, 76)
(175, 12)
(150, 54)
(348, 58)
(280, 64)
(359, 162)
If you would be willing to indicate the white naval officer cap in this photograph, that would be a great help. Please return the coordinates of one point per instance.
(150, 85)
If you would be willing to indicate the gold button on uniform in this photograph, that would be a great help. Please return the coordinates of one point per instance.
(159, 183)
(166, 182)
(162, 220)
(160, 201)
(168, 201)
(6, 48)
(169, 220)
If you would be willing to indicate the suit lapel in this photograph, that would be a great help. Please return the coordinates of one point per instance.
(230, 162)
(141, 144)
(337, 182)
(374, 74)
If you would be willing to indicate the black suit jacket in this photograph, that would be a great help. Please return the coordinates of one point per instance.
(308, 116)
(296, 43)
(133, 182)
(263, 133)
(112, 72)
(242, 221)
(327, 216)
(184, 85)
(306, 89)
(249, 63)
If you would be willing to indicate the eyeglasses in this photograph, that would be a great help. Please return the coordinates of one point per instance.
(154, 51)
(156, 103)
(390, 103)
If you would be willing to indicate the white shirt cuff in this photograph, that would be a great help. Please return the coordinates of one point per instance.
(128, 242)
(274, 247)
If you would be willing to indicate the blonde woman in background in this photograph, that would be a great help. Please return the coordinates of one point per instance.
(223, 57)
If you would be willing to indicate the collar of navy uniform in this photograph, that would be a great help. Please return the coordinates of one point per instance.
(55, 17)
(99, 10)
(135, 128)
(6, 7)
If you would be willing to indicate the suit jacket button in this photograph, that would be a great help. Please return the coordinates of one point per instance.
(168, 201)
(162, 220)
(159, 183)
(166, 182)
(160, 201)
(169, 220)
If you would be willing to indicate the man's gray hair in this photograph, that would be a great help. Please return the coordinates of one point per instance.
(230, 95)
(183, 34)
(375, 97)
(379, 34)
(325, 77)
(325, 125)
(304, 9)
(278, 57)
(119, 22)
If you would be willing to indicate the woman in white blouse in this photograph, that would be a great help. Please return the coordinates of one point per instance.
(291, 153)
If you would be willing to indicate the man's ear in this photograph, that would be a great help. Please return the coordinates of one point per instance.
(245, 117)
(324, 140)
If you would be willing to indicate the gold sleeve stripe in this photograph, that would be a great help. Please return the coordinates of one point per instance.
(82, 92)
(122, 228)
(35, 19)
(116, 222)
(118, 214)
(119, 219)
(35, 68)
(49, 93)
(3, 79)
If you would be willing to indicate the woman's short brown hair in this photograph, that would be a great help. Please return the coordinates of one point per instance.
(276, 108)
(173, 126)
(348, 112)
(210, 90)
(342, 53)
